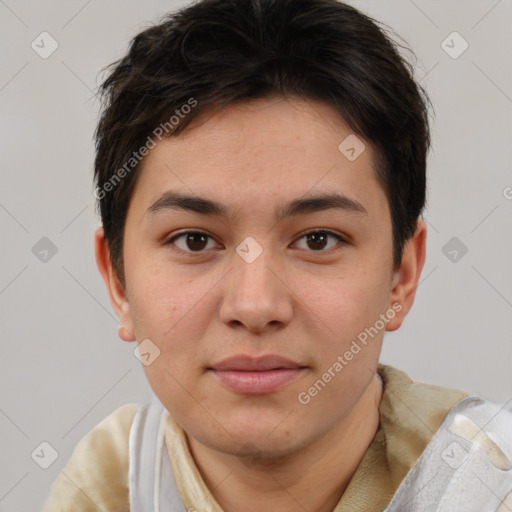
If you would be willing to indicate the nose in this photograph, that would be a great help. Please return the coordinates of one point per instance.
(256, 296)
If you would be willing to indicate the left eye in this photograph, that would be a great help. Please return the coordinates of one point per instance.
(319, 240)
(197, 241)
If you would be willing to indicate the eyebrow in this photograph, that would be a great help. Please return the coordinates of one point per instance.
(172, 200)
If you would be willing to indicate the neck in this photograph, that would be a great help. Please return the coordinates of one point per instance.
(287, 485)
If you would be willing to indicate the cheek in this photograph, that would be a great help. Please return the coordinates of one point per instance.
(165, 300)
(346, 302)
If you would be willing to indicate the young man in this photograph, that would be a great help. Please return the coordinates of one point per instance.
(260, 174)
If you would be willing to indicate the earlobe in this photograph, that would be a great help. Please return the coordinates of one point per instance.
(126, 326)
(406, 278)
(115, 289)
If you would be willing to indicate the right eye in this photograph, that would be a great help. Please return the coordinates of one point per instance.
(190, 241)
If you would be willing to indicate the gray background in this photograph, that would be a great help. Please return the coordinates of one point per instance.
(63, 367)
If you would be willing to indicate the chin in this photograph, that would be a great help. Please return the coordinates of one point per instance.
(258, 450)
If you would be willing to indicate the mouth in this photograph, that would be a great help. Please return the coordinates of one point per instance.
(256, 376)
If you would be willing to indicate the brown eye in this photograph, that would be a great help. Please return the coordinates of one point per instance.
(317, 241)
(196, 241)
(191, 241)
(321, 240)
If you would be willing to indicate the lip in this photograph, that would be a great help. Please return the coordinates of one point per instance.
(256, 376)
(247, 363)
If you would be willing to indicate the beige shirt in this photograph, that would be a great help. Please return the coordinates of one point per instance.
(96, 476)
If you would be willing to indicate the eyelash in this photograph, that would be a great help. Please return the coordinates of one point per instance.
(340, 239)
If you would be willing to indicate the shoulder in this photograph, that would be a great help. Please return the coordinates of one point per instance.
(410, 413)
(472, 446)
(406, 397)
(96, 475)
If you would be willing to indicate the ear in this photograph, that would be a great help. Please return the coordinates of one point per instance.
(115, 288)
(405, 279)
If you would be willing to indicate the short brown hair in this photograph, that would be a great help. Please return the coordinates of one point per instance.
(222, 51)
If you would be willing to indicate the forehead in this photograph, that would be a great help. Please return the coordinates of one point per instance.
(260, 151)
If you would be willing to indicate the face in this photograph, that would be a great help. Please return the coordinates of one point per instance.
(254, 293)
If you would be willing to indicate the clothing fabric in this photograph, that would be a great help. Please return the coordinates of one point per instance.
(97, 474)
(474, 442)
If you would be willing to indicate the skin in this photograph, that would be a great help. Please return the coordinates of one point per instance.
(264, 452)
